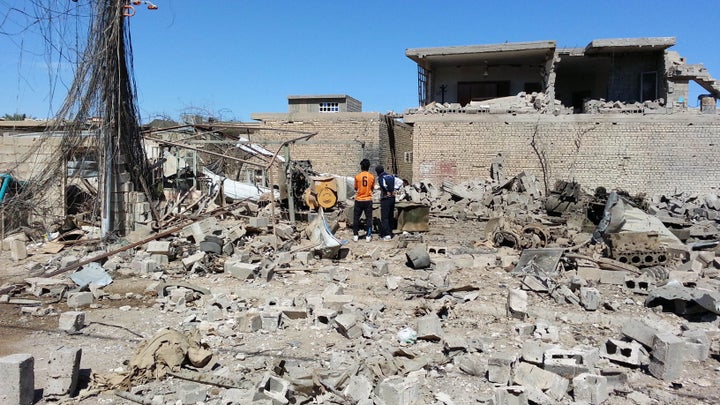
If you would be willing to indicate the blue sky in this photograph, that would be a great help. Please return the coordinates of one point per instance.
(231, 58)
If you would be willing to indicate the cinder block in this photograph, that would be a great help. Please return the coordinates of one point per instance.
(398, 390)
(63, 372)
(640, 331)
(589, 298)
(249, 322)
(500, 367)
(517, 304)
(553, 385)
(589, 273)
(72, 321)
(590, 388)
(613, 277)
(627, 353)
(259, 222)
(348, 325)
(241, 270)
(697, 345)
(533, 351)
(17, 379)
(273, 388)
(270, 320)
(18, 250)
(429, 328)
(512, 395)
(80, 299)
(570, 363)
(668, 352)
(159, 247)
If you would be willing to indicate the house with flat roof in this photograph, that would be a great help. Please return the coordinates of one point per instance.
(626, 70)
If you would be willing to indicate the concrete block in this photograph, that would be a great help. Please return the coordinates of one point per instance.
(63, 372)
(160, 260)
(337, 302)
(429, 328)
(398, 390)
(304, 257)
(533, 351)
(626, 353)
(80, 299)
(18, 250)
(697, 345)
(72, 321)
(570, 363)
(192, 393)
(249, 322)
(589, 273)
(17, 379)
(615, 277)
(589, 298)
(348, 325)
(517, 304)
(270, 320)
(641, 331)
(7, 242)
(359, 388)
(512, 395)
(159, 247)
(241, 270)
(667, 355)
(273, 388)
(259, 222)
(189, 262)
(284, 231)
(380, 268)
(590, 388)
(500, 367)
(551, 384)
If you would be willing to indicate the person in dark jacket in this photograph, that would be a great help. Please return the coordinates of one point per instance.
(386, 182)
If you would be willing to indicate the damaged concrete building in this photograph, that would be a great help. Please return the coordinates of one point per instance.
(614, 113)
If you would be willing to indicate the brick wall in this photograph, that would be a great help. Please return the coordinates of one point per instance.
(342, 140)
(651, 153)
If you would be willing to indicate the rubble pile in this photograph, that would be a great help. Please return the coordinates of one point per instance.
(522, 103)
(499, 302)
(601, 106)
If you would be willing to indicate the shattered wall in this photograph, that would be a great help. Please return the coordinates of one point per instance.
(342, 140)
(651, 154)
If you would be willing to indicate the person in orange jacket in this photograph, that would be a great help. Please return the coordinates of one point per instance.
(364, 184)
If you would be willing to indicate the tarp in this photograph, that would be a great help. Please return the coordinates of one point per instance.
(321, 236)
(238, 190)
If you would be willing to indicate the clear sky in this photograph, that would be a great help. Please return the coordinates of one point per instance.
(231, 58)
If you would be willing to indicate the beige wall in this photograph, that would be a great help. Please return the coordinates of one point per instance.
(342, 140)
(650, 153)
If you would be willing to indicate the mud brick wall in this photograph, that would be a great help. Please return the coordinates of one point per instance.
(641, 154)
(342, 140)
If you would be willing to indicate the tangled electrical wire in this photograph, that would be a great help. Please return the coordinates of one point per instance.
(99, 116)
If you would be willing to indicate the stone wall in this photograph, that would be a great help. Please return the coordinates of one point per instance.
(637, 153)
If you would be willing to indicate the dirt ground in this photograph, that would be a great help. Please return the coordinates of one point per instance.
(131, 312)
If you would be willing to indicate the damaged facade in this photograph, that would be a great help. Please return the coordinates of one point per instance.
(613, 113)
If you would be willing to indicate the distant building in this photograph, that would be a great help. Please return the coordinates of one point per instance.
(329, 103)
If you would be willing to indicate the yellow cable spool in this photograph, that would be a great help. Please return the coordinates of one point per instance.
(326, 197)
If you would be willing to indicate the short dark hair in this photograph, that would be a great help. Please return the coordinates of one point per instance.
(379, 169)
(365, 165)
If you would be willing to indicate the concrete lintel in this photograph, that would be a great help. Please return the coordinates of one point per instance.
(629, 44)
